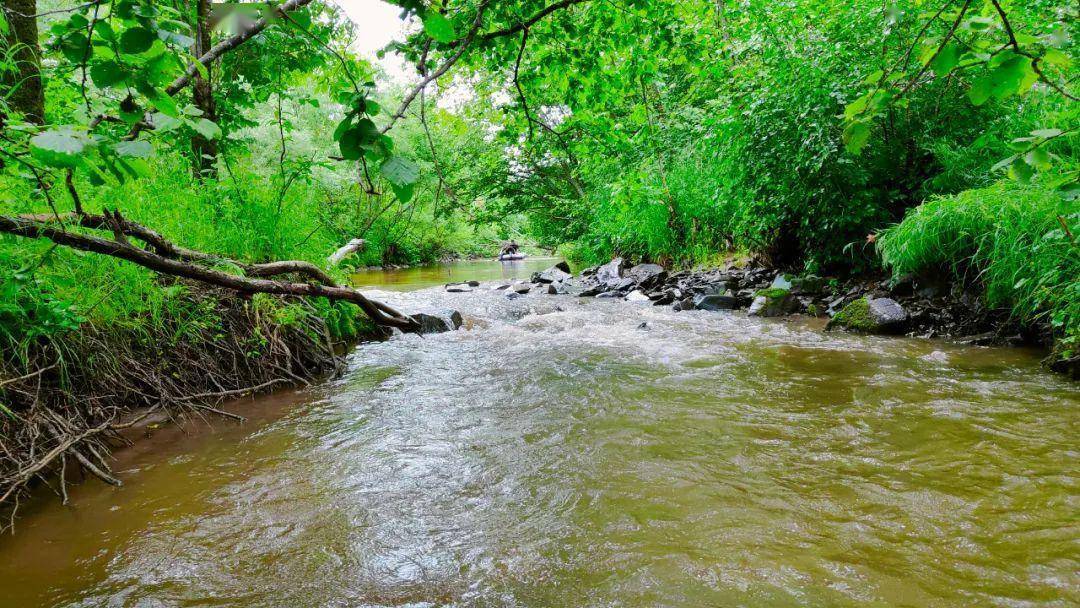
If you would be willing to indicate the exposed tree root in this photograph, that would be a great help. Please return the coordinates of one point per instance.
(64, 399)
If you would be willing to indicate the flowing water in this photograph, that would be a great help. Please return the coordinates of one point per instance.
(556, 453)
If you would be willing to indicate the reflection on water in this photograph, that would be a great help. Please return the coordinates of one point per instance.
(419, 277)
(557, 455)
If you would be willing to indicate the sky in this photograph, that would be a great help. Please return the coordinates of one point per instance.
(377, 24)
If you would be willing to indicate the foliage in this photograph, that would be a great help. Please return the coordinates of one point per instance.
(1021, 241)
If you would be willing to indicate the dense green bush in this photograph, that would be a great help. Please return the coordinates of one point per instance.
(1019, 241)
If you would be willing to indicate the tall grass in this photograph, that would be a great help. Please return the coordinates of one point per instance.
(1021, 241)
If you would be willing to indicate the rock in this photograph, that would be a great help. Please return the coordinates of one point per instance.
(624, 284)
(588, 272)
(502, 286)
(715, 302)
(610, 294)
(438, 321)
(772, 302)
(644, 325)
(594, 290)
(473, 283)
(458, 289)
(647, 275)
(553, 274)
(684, 304)
(521, 289)
(513, 295)
(548, 289)
(811, 284)
(611, 272)
(637, 296)
(876, 315)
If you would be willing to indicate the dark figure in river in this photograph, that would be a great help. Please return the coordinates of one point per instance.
(510, 248)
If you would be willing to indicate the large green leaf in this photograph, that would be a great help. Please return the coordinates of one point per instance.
(136, 40)
(855, 136)
(439, 27)
(106, 74)
(59, 148)
(400, 171)
(357, 138)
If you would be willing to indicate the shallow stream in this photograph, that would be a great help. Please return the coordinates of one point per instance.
(556, 452)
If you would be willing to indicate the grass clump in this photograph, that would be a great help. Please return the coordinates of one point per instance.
(772, 293)
(1019, 241)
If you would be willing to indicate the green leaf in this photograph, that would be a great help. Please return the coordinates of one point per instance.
(140, 148)
(400, 171)
(981, 89)
(1039, 158)
(3, 24)
(74, 47)
(106, 74)
(1020, 170)
(1005, 162)
(357, 138)
(59, 148)
(1056, 58)
(136, 40)
(855, 136)
(946, 60)
(403, 193)
(206, 128)
(439, 27)
(1046, 133)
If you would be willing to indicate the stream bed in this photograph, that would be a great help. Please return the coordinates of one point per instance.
(562, 451)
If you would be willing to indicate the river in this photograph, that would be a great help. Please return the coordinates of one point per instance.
(558, 452)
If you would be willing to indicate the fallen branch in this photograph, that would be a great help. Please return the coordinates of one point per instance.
(154, 260)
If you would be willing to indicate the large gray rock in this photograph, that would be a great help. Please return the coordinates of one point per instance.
(438, 321)
(612, 272)
(772, 302)
(872, 315)
(715, 302)
(637, 296)
(887, 315)
(647, 275)
(553, 274)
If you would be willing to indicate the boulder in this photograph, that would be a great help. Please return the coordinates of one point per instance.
(780, 282)
(772, 302)
(521, 288)
(872, 315)
(553, 274)
(611, 272)
(593, 290)
(438, 321)
(647, 275)
(686, 303)
(715, 302)
(811, 284)
(637, 296)
(461, 288)
(513, 295)
(610, 294)
(548, 288)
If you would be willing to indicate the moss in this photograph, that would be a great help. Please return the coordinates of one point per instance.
(813, 310)
(772, 293)
(855, 315)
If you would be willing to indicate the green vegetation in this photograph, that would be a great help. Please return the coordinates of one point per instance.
(855, 316)
(1019, 241)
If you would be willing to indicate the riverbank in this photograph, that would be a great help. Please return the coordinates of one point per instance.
(925, 307)
(67, 398)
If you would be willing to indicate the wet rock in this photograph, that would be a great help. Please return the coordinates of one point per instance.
(459, 288)
(610, 294)
(772, 302)
(438, 321)
(637, 296)
(644, 325)
(553, 274)
(811, 284)
(872, 315)
(502, 286)
(548, 289)
(648, 275)
(521, 288)
(716, 302)
(612, 272)
(513, 295)
(593, 290)
(686, 303)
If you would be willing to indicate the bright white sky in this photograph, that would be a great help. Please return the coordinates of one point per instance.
(377, 24)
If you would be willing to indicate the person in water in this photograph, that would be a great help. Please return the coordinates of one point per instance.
(510, 248)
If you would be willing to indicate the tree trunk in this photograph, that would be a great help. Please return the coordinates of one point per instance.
(205, 150)
(27, 96)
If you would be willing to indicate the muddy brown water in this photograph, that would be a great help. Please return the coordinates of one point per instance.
(554, 454)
